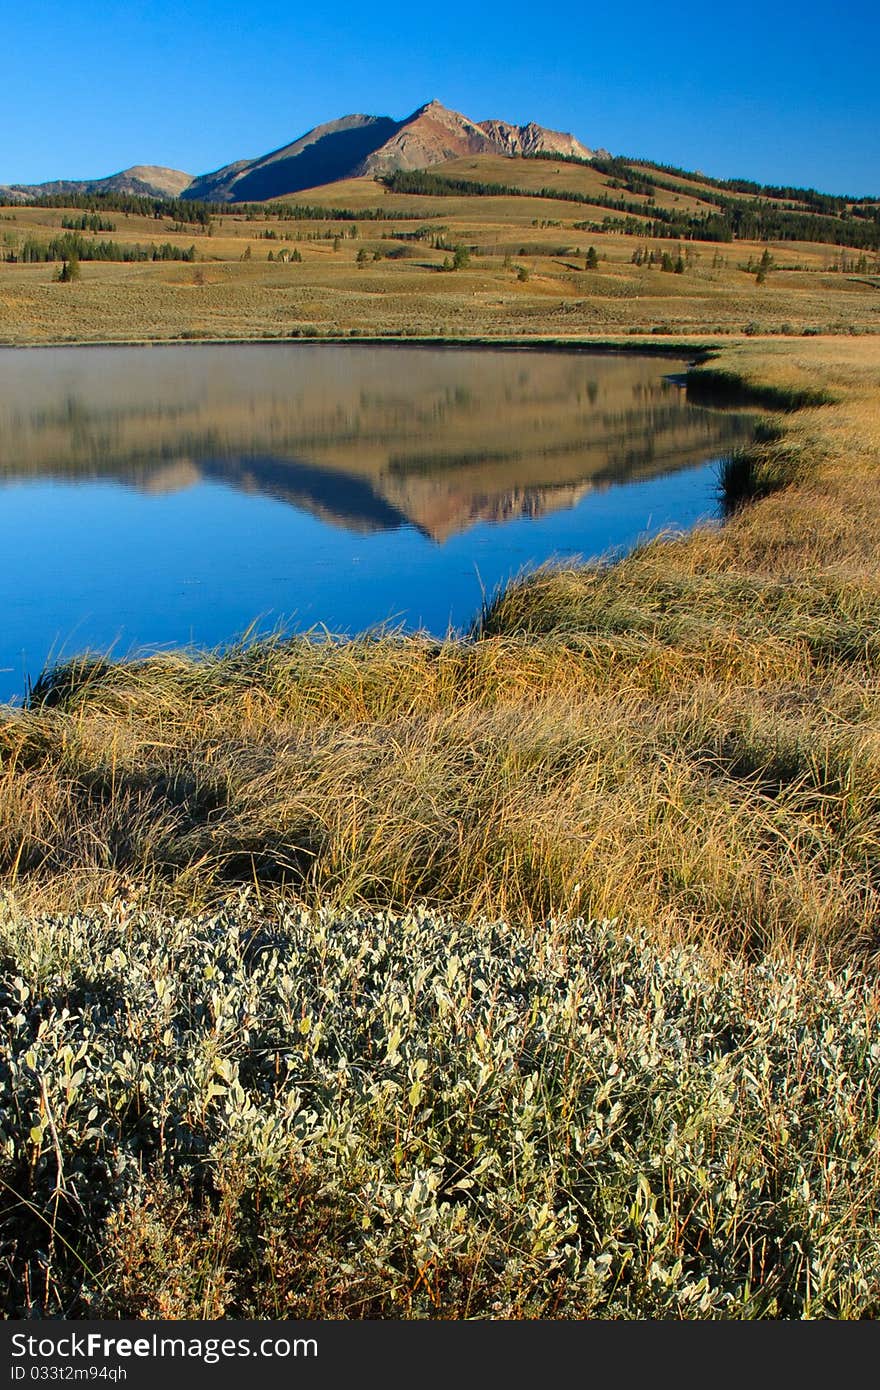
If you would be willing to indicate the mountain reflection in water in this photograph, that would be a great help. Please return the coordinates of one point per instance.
(171, 496)
(365, 438)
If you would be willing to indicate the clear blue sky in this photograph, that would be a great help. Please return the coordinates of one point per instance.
(777, 92)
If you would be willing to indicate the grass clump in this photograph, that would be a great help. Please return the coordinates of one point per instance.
(714, 385)
(757, 469)
(284, 1114)
(634, 760)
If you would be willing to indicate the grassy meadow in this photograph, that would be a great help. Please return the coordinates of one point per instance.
(526, 274)
(532, 974)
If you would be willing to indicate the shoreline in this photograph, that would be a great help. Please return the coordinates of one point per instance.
(670, 347)
(671, 364)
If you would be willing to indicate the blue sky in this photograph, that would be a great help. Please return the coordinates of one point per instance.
(777, 92)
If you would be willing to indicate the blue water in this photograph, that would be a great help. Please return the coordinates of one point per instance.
(110, 563)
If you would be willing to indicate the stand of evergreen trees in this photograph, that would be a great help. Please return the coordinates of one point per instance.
(88, 223)
(73, 247)
(198, 214)
(731, 209)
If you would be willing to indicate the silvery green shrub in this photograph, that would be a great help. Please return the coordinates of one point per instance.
(587, 1124)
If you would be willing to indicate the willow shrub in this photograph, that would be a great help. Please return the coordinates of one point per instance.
(251, 1115)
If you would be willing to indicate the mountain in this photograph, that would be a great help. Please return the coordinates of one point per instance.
(341, 149)
(428, 136)
(323, 155)
(147, 180)
(357, 145)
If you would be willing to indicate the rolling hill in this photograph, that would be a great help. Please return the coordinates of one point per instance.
(142, 180)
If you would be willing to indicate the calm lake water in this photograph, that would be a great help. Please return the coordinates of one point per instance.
(174, 496)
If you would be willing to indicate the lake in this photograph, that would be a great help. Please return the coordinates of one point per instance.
(174, 496)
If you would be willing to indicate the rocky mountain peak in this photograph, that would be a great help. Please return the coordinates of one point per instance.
(345, 148)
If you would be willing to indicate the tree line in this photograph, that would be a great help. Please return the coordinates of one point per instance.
(805, 215)
(72, 247)
(201, 214)
(820, 217)
(635, 175)
(136, 204)
(88, 223)
(727, 219)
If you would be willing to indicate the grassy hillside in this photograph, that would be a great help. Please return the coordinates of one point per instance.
(526, 274)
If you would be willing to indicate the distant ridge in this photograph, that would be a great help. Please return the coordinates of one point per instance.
(145, 180)
(345, 148)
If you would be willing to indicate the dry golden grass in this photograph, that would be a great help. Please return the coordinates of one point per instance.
(329, 297)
